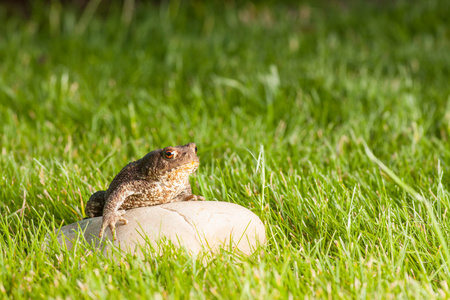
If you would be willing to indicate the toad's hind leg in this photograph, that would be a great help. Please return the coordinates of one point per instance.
(94, 207)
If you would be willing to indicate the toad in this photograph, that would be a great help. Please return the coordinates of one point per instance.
(161, 176)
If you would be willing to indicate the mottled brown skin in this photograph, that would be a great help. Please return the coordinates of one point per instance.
(161, 176)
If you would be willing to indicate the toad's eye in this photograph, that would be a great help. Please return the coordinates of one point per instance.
(169, 154)
(195, 150)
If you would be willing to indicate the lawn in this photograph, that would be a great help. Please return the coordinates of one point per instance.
(330, 120)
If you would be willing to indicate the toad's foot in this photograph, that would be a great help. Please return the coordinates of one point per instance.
(110, 219)
(199, 198)
(193, 198)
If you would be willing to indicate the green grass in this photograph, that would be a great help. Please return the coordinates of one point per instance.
(330, 121)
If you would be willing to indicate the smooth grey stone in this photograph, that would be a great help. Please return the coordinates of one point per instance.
(196, 225)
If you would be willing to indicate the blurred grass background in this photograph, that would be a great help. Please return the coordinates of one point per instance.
(278, 96)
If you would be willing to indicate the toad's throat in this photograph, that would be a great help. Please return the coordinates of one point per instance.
(180, 172)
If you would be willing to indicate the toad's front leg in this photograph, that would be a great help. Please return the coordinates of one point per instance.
(186, 195)
(110, 219)
(111, 212)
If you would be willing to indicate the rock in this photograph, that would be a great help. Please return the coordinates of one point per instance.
(196, 225)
